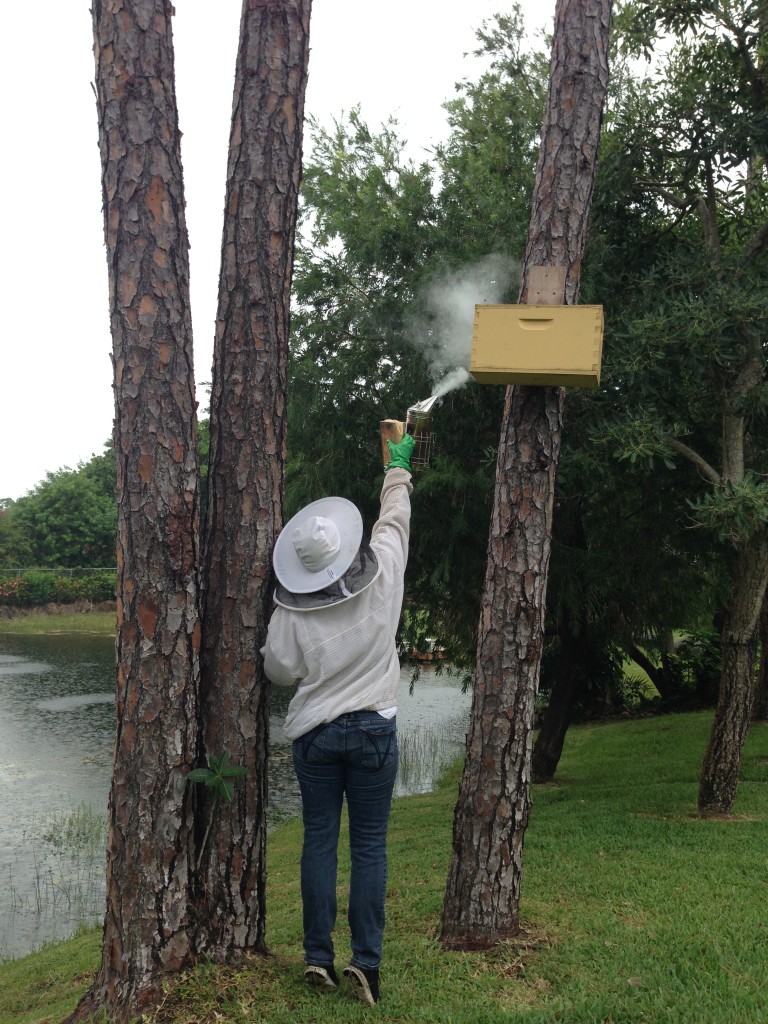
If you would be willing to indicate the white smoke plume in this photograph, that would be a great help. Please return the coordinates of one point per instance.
(445, 332)
(456, 379)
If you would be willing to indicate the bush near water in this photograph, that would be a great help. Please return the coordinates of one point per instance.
(33, 587)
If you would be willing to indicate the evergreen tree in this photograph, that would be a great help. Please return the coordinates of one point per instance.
(689, 336)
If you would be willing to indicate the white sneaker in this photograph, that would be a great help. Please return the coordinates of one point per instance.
(321, 977)
(364, 983)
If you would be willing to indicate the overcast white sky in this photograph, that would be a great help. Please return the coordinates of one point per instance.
(401, 58)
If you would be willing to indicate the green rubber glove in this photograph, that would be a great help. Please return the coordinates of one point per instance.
(400, 454)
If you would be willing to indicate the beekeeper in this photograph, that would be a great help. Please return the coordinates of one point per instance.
(338, 603)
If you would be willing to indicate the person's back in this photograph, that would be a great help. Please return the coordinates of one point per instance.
(332, 634)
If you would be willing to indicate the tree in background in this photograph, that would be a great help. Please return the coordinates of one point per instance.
(148, 927)
(68, 520)
(486, 166)
(623, 576)
(15, 552)
(690, 344)
(482, 892)
(484, 179)
(391, 254)
(87, 509)
(246, 459)
(367, 234)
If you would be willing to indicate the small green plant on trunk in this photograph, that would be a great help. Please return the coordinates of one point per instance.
(218, 776)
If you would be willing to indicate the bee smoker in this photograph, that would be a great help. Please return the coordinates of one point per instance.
(417, 423)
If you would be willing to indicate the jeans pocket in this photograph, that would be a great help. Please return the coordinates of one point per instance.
(379, 747)
(310, 747)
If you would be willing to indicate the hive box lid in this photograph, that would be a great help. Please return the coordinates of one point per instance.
(555, 346)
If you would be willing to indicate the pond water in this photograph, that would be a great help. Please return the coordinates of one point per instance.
(56, 735)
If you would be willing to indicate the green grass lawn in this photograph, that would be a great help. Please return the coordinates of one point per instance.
(37, 623)
(635, 909)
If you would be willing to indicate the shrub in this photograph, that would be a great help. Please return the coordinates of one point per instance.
(36, 588)
(99, 585)
(9, 591)
(30, 588)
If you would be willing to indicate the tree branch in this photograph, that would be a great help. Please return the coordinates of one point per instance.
(701, 464)
(684, 202)
(708, 215)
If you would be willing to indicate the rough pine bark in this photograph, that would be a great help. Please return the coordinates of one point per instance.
(244, 511)
(147, 928)
(481, 904)
(738, 645)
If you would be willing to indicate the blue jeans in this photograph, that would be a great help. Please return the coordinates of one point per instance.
(355, 755)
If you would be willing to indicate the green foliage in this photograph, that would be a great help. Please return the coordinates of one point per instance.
(30, 588)
(14, 546)
(367, 219)
(486, 166)
(698, 662)
(382, 238)
(736, 511)
(597, 668)
(218, 776)
(36, 588)
(621, 564)
(720, 54)
(68, 521)
(679, 227)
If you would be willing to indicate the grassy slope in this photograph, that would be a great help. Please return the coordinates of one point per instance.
(635, 909)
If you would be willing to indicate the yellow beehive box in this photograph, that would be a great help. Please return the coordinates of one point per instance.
(556, 346)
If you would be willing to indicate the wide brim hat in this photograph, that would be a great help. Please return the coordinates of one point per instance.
(289, 568)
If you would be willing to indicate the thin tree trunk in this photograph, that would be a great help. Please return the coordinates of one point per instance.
(554, 727)
(722, 762)
(245, 483)
(659, 676)
(483, 888)
(147, 929)
(738, 640)
(760, 704)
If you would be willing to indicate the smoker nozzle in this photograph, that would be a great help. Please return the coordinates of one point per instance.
(425, 406)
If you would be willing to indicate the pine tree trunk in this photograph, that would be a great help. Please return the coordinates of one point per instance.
(147, 929)
(245, 483)
(483, 889)
(722, 761)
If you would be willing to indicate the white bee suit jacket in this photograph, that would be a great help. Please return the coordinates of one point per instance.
(342, 654)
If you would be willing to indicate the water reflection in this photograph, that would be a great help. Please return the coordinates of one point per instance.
(56, 737)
